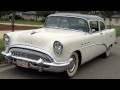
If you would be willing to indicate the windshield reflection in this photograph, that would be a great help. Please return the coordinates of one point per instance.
(67, 23)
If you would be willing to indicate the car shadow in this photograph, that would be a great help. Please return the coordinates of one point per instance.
(34, 74)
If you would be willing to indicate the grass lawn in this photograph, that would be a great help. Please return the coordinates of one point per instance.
(23, 22)
(117, 28)
(1, 49)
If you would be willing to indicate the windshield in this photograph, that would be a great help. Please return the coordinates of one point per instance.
(67, 23)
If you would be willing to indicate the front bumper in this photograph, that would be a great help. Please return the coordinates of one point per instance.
(39, 65)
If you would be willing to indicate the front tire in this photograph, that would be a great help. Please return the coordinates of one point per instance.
(72, 69)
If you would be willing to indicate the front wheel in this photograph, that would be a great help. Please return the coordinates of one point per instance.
(72, 69)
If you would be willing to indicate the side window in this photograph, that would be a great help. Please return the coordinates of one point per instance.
(84, 25)
(94, 25)
(102, 26)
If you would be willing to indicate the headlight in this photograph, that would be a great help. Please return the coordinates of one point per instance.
(6, 40)
(58, 47)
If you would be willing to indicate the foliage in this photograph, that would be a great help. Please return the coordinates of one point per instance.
(85, 12)
(117, 28)
(1, 49)
(44, 14)
(16, 17)
(2, 13)
(107, 14)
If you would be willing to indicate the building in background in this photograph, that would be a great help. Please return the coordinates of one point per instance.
(30, 15)
(115, 20)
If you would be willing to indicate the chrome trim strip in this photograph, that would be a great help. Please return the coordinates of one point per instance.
(99, 44)
(88, 46)
(39, 61)
(6, 54)
(84, 47)
(53, 67)
(32, 48)
(36, 49)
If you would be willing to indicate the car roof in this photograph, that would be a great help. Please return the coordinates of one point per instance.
(88, 17)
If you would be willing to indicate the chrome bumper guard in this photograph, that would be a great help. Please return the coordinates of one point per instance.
(40, 65)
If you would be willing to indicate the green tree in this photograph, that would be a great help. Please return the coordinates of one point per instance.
(2, 13)
(44, 14)
(85, 12)
(107, 14)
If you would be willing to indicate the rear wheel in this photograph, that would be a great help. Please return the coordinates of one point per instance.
(107, 53)
(72, 69)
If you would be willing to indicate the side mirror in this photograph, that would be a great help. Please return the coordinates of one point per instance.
(93, 30)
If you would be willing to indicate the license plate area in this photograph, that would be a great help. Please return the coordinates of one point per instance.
(22, 64)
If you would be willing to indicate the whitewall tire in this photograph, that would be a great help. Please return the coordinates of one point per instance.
(72, 69)
(107, 53)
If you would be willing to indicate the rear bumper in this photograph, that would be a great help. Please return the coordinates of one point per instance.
(39, 65)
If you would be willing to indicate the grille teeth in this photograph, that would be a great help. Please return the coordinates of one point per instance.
(29, 54)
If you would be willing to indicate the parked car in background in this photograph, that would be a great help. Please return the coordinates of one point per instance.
(66, 41)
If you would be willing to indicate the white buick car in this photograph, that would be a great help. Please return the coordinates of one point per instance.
(66, 41)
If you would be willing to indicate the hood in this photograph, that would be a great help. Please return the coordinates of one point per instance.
(43, 36)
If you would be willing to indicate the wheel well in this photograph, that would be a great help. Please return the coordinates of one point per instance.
(79, 56)
(111, 45)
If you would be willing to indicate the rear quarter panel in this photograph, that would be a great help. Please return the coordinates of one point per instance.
(109, 37)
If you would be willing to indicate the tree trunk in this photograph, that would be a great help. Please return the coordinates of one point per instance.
(13, 15)
(36, 18)
(110, 23)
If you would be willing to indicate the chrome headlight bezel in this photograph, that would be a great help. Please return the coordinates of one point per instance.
(6, 39)
(58, 48)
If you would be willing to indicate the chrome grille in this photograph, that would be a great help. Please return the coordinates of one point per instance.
(29, 54)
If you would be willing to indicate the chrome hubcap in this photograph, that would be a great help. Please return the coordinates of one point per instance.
(108, 52)
(72, 64)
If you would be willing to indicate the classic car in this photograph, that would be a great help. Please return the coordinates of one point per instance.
(66, 41)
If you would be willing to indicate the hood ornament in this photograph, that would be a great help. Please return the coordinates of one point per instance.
(33, 32)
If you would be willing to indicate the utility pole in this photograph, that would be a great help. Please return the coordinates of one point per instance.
(110, 23)
(13, 15)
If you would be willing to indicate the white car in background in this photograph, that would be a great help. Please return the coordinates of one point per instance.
(66, 41)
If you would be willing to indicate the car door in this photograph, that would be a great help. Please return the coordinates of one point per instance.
(106, 35)
(97, 46)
